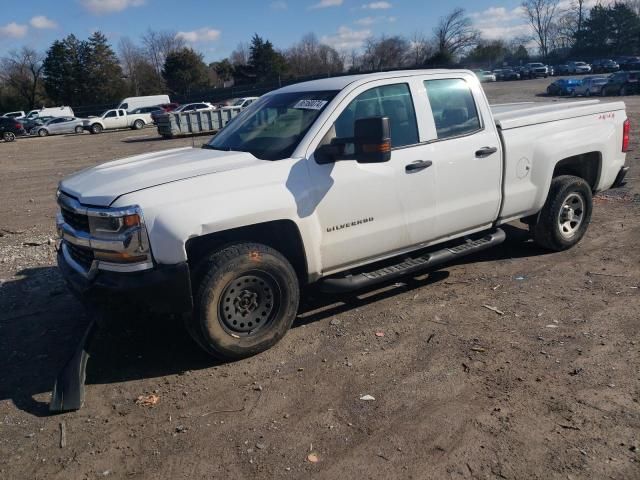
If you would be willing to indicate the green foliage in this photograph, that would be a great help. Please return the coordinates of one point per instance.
(266, 62)
(184, 72)
(609, 31)
(82, 72)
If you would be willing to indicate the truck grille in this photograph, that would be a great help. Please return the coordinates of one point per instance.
(83, 256)
(78, 221)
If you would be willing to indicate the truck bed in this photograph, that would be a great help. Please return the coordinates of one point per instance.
(515, 115)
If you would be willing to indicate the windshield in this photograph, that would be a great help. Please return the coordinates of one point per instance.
(272, 127)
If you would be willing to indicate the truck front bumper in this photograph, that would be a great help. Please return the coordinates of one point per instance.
(164, 289)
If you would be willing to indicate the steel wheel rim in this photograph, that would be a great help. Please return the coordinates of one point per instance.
(571, 215)
(249, 303)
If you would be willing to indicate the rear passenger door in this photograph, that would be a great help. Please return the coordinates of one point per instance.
(466, 153)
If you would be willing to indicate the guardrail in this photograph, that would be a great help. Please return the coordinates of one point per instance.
(182, 124)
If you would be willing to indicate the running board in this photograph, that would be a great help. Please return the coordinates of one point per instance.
(411, 265)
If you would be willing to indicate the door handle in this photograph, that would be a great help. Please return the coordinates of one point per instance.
(418, 165)
(486, 151)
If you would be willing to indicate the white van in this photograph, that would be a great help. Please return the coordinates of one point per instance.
(51, 112)
(18, 114)
(131, 103)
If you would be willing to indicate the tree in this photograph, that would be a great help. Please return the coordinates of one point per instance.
(240, 56)
(65, 76)
(184, 72)
(22, 72)
(158, 45)
(614, 29)
(103, 71)
(492, 52)
(310, 57)
(223, 71)
(420, 49)
(385, 53)
(541, 15)
(266, 62)
(455, 33)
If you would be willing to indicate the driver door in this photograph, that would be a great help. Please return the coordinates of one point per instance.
(358, 205)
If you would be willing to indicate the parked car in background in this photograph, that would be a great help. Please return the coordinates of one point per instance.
(535, 70)
(509, 74)
(10, 128)
(563, 86)
(195, 107)
(18, 114)
(579, 68)
(590, 86)
(30, 123)
(58, 126)
(485, 76)
(604, 66)
(243, 102)
(168, 107)
(131, 103)
(621, 83)
(63, 111)
(628, 63)
(562, 69)
(116, 118)
(145, 113)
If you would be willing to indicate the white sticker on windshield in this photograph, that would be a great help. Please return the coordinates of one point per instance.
(310, 104)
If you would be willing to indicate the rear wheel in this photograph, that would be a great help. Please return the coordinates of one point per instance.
(138, 124)
(246, 301)
(79, 129)
(8, 136)
(566, 214)
(42, 132)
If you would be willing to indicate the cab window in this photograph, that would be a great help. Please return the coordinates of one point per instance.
(111, 114)
(454, 110)
(392, 101)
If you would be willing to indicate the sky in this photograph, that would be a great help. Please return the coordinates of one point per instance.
(215, 27)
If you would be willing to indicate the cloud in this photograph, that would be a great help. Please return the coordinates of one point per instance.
(368, 21)
(13, 30)
(346, 38)
(279, 5)
(377, 5)
(201, 35)
(40, 21)
(327, 3)
(99, 7)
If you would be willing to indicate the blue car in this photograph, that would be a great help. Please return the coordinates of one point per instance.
(563, 87)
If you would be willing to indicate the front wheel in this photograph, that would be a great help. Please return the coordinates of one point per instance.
(566, 214)
(96, 128)
(8, 136)
(42, 132)
(246, 301)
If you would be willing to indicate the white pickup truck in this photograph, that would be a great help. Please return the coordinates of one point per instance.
(116, 118)
(344, 181)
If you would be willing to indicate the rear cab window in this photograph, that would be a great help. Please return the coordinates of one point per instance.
(453, 107)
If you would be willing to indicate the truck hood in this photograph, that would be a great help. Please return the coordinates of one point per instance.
(101, 185)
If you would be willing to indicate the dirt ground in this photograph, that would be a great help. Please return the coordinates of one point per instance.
(548, 390)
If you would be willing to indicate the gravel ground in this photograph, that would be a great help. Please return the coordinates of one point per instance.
(547, 390)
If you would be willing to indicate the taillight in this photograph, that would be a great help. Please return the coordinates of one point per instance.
(19, 126)
(625, 135)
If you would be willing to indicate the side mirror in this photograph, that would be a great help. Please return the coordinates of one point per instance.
(372, 140)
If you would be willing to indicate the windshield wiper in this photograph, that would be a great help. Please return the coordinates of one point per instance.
(211, 147)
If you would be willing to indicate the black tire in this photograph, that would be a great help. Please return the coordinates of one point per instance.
(247, 297)
(79, 129)
(138, 124)
(587, 93)
(8, 136)
(96, 128)
(42, 132)
(548, 231)
(603, 92)
(623, 91)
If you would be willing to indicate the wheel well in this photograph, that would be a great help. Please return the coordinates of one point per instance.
(282, 235)
(586, 166)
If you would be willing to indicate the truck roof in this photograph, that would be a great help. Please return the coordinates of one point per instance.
(338, 83)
